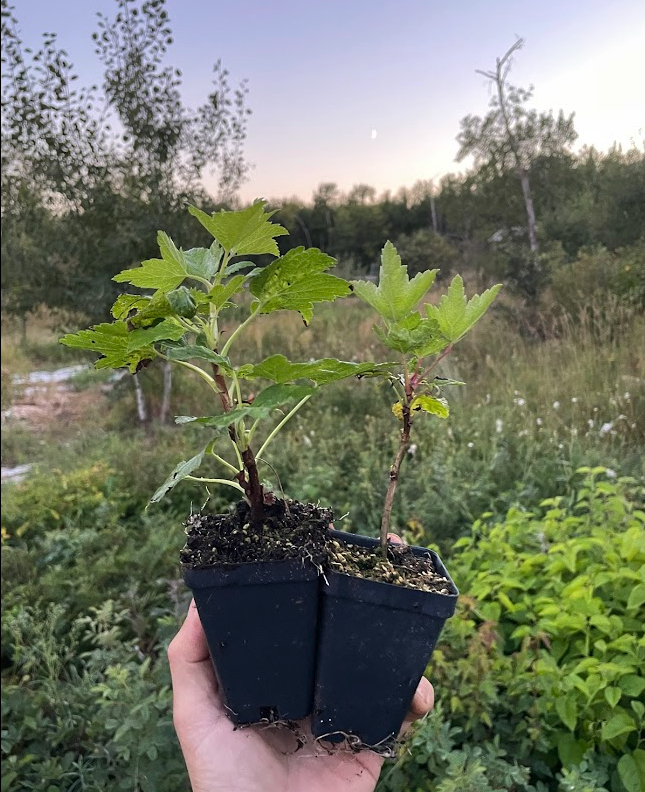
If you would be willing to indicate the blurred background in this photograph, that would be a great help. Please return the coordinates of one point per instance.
(476, 151)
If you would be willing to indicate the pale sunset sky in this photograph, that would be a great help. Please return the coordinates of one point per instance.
(360, 91)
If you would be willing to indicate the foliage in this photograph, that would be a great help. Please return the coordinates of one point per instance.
(182, 321)
(89, 175)
(395, 300)
(91, 598)
(546, 654)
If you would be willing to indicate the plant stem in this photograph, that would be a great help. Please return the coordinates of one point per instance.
(216, 481)
(250, 484)
(404, 444)
(200, 372)
(224, 462)
(286, 418)
(237, 331)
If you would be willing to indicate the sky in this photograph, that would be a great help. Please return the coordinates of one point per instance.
(360, 91)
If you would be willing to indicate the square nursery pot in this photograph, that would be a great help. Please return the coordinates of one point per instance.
(374, 642)
(260, 623)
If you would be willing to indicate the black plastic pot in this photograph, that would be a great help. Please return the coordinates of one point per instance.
(374, 643)
(260, 623)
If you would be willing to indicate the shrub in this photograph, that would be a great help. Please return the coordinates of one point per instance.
(547, 654)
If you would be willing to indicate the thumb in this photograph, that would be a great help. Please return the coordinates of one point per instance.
(191, 669)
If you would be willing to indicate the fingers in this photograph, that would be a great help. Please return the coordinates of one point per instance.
(422, 704)
(394, 539)
(193, 677)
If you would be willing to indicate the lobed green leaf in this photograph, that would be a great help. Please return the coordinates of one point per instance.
(454, 314)
(278, 369)
(296, 281)
(396, 296)
(246, 232)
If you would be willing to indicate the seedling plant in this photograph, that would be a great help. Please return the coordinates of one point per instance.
(183, 321)
(421, 342)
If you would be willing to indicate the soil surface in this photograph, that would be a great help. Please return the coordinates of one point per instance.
(291, 530)
(300, 530)
(402, 567)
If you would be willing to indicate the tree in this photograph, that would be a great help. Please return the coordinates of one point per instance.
(510, 136)
(113, 165)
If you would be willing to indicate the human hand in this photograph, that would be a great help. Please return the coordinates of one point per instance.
(221, 758)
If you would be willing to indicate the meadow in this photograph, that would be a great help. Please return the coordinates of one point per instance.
(533, 492)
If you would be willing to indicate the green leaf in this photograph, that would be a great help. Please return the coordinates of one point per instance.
(120, 346)
(203, 262)
(222, 292)
(163, 274)
(636, 597)
(296, 281)
(180, 472)
(268, 400)
(155, 307)
(278, 369)
(622, 723)
(454, 314)
(632, 685)
(570, 750)
(109, 340)
(567, 709)
(239, 265)
(631, 769)
(413, 336)
(396, 295)
(277, 395)
(168, 330)
(430, 404)
(246, 232)
(613, 696)
(125, 303)
(153, 274)
(198, 352)
(182, 303)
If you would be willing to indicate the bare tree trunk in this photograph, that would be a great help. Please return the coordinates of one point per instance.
(167, 390)
(499, 78)
(530, 210)
(304, 228)
(142, 411)
(433, 211)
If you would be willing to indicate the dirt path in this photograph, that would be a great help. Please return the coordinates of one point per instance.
(46, 403)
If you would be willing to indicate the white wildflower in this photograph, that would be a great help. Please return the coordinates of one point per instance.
(413, 449)
(520, 402)
(556, 405)
(626, 395)
(538, 421)
(611, 473)
(574, 400)
(307, 441)
(499, 426)
(590, 423)
(523, 433)
(471, 445)
(606, 428)
(574, 432)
